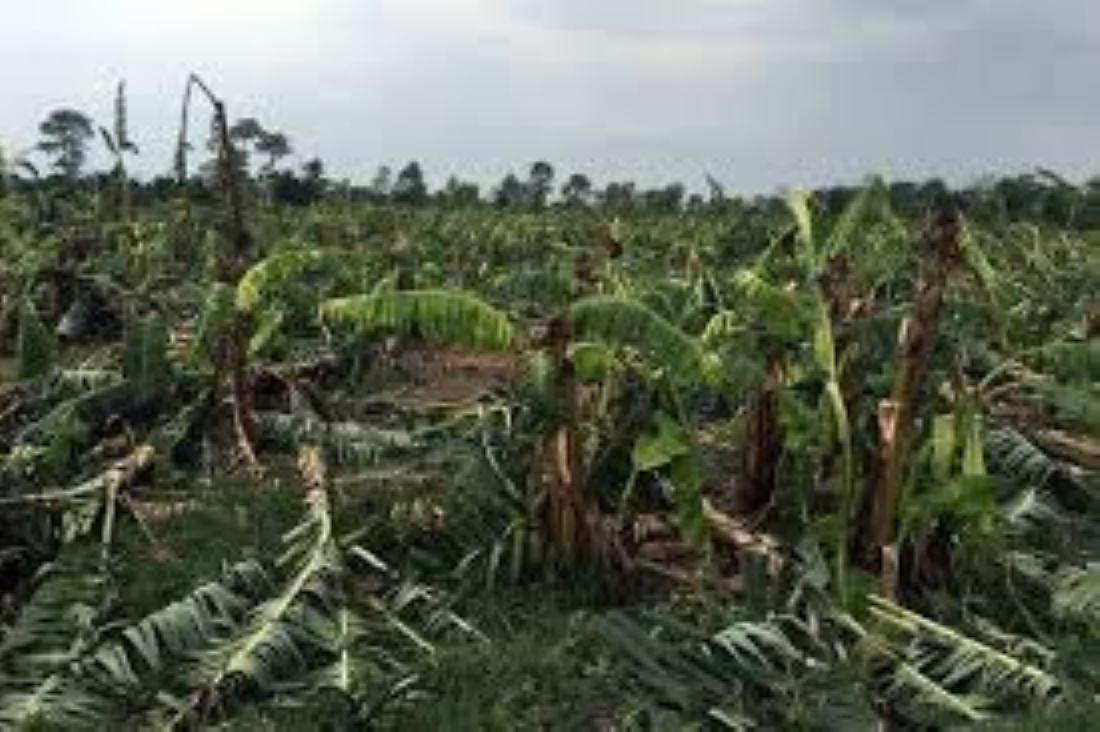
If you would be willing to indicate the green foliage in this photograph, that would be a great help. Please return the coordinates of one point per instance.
(783, 315)
(145, 355)
(449, 318)
(65, 135)
(274, 641)
(743, 676)
(57, 629)
(1077, 593)
(670, 447)
(681, 311)
(956, 658)
(1012, 454)
(37, 347)
(855, 219)
(283, 291)
(252, 633)
(347, 443)
(1071, 361)
(626, 323)
(219, 318)
(268, 278)
(1075, 404)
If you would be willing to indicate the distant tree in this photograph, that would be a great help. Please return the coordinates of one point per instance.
(934, 194)
(250, 137)
(577, 190)
(314, 171)
(5, 173)
(299, 190)
(65, 136)
(510, 193)
(668, 199)
(244, 133)
(904, 197)
(717, 192)
(834, 199)
(382, 184)
(1020, 196)
(247, 130)
(276, 146)
(540, 183)
(410, 187)
(1089, 217)
(459, 193)
(618, 195)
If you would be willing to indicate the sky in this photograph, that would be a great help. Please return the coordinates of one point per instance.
(759, 94)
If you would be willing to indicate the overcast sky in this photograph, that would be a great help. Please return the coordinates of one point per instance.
(759, 93)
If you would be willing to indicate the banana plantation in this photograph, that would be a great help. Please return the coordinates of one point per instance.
(815, 461)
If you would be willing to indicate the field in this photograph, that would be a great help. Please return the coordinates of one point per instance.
(824, 460)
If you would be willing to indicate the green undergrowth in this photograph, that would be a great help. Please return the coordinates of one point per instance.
(545, 667)
(538, 661)
(1079, 717)
(189, 533)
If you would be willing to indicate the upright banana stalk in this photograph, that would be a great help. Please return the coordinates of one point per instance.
(566, 512)
(896, 414)
(119, 144)
(231, 264)
(762, 446)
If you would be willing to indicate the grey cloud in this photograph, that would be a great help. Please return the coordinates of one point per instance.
(758, 92)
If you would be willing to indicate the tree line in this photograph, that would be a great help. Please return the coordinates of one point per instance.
(60, 160)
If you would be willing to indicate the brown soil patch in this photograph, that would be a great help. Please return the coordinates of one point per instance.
(454, 376)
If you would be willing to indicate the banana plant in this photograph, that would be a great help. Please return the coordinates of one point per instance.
(781, 328)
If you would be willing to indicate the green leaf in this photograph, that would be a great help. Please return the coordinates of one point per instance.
(798, 203)
(855, 217)
(973, 458)
(977, 261)
(780, 313)
(659, 448)
(219, 317)
(624, 322)
(270, 324)
(593, 361)
(1077, 593)
(440, 316)
(944, 445)
(269, 277)
(687, 483)
(36, 348)
(824, 346)
(145, 355)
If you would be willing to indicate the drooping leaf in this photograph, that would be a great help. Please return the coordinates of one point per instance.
(1077, 593)
(440, 316)
(270, 278)
(623, 322)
